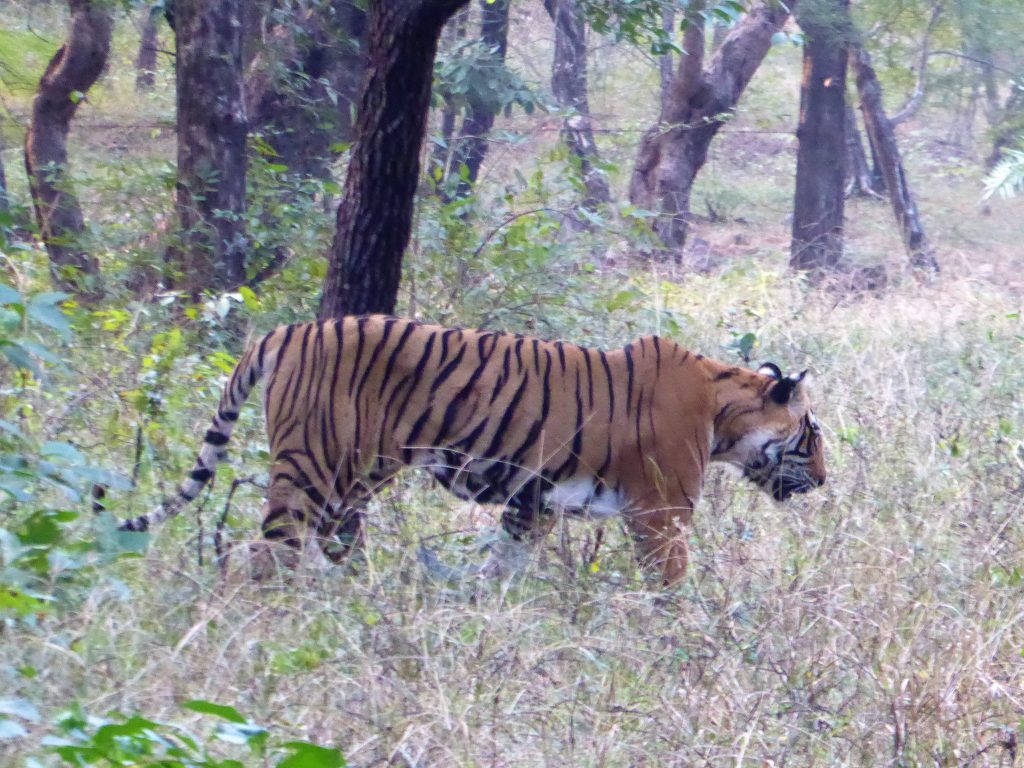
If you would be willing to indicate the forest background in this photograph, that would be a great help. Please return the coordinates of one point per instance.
(878, 621)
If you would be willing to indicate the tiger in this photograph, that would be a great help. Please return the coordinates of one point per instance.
(540, 427)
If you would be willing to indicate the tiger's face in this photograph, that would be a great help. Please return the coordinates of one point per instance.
(777, 444)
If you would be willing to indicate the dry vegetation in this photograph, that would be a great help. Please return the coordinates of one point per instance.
(879, 621)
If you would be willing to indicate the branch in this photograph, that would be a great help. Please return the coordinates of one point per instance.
(977, 60)
(917, 97)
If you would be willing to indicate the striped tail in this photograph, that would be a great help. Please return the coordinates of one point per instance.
(256, 361)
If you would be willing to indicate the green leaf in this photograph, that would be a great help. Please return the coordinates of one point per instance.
(11, 730)
(60, 450)
(20, 357)
(211, 708)
(8, 295)
(19, 603)
(44, 309)
(306, 755)
(19, 708)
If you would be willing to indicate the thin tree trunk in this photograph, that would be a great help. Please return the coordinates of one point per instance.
(819, 200)
(470, 148)
(569, 87)
(5, 203)
(301, 89)
(375, 215)
(673, 151)
(211, 146)
(883, 140)
(71, 72)
(916, 98)
(858, 173)
(145, 60)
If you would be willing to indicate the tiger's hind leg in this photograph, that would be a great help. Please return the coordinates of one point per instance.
(288, 517)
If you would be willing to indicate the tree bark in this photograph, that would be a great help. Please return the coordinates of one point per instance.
(70, 74)
(375, 216)
(301, 89)
(666, 72)
(883, 141)
(569, 87)
(145, 60)
(211, 146)
(818, 205)
(470, 148)
(673, 151)
(5, 203)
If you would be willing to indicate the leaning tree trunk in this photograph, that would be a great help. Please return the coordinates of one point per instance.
(301, 89)
(71, 72)
(375, 215)
(817, 242)
(569, 87)
(673, 151)
(883, 141)
(470, 149)
(211, 146)
(145, 60)
(859, 181)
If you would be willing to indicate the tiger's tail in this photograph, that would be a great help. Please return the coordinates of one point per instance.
(257, 360)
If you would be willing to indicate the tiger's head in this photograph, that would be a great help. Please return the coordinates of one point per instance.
(769, 432)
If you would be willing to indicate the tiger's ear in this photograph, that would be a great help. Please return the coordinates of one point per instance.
(783, 390)
(770, 369)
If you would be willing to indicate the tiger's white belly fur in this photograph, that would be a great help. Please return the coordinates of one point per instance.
(582, 496)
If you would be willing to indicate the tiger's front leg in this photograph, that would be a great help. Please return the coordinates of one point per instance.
(660, 535)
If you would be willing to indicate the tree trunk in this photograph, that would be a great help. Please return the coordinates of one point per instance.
(301, 89)
(211, 146)
(883, 140)
(666, 71)
(145, 61)
(70, 74)
(451, 39)
(375, 215)
(569, 87)
(470, 148)
(859, 182)
(818, 204)
(673, 151)
(5, 203)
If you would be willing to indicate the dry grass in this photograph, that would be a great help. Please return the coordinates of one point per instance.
(880, 621)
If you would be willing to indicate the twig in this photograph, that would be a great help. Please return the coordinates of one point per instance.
(219, 549)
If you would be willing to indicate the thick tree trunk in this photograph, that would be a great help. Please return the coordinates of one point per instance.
(145, 60)
(375, 215)
(302, 88)
(673, 151)
(470, 149)
(820, 173)
(569, 87)
(211, 146)
(71, 72)
(859, 182)
(883, 141)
